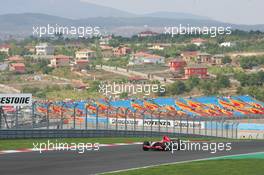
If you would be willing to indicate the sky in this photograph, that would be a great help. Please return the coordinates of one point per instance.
(233, 11)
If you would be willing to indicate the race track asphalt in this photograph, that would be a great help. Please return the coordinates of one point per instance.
(104, 160)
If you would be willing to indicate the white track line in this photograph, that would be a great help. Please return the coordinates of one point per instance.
(181, 162)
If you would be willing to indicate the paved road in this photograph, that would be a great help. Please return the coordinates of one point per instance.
(107, 159)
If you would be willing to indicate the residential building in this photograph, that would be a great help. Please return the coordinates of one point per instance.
(17, 67)
(156, 47)
(44, 49)
(203, 58)
(60, 61)
(107, 51)
(80, 64)
(177, 64)
(197, 70)
(16, 59)
(218, 59)
(85, 54)
(104, 40)
(146, 58)
(121, 51)
(5, 48)
(189, 56)
(198, 41)
(147, 33)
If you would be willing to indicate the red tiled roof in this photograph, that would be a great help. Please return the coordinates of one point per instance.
(190, 53)
(198, 40)
(18, 65)
(15, 58)
(82, 61)
(58, 57)
(5, 46)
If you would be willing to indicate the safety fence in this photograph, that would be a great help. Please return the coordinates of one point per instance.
(122, 119)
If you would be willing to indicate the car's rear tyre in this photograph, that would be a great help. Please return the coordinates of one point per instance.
(146, 143)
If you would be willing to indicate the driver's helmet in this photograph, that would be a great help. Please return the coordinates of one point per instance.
(166, 139)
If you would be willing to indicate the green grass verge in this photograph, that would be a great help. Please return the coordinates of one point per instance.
(210, 167)
(28, 143)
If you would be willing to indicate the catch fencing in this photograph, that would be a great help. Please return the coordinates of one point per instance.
(123, 119)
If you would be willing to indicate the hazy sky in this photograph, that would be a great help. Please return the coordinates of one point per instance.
(234, 11)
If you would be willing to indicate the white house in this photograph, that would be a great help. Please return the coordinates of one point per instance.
(146, 58)
(44, 49)
(227, 44)
(5, 48)
(85, 54)
(198, 41)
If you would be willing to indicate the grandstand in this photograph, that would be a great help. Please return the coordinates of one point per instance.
(193, 113)
(232, 106)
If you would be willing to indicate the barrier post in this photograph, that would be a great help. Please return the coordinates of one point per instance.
(143, 120)
(86, 117)
(200, 126)
(97, 122)
(16, 117)
(180, 124)
(222, 127)
(211, 126)
(33, 114)
(134, 116)
(167, 128)
(159, 120)
(205, 125)
(48, 121)
(227, 129)
(151, 122)
(107, 118)
(216, 131)
(126, 118)
(117, 110)
(174, 124)
(193, 125)
(187, 119)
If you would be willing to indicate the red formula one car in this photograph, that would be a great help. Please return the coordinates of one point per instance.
(166, 144)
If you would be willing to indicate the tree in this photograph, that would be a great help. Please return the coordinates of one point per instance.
(192, 82)
(123, 95)
(3, 56)
(222, 81)
(177, 88)
(226, 60)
